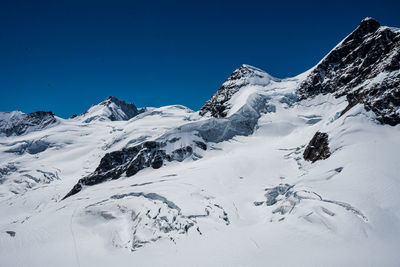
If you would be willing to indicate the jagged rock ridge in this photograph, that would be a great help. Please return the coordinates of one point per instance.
(132, 160)
(364, 67)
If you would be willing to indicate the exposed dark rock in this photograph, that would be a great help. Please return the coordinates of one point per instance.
(365, 68)
(130, 161)
(157, 161)
(317, 148)
(18, 123)
(11, 233)
(201, 145)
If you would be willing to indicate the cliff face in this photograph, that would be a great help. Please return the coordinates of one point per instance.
(364, 67)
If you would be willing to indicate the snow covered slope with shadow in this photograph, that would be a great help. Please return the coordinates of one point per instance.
(282, 172)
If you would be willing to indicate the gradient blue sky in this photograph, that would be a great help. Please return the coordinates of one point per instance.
(64, 56)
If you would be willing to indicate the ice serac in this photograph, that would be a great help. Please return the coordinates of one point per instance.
(19, 123)
(365, 67)
(219, 104)
(111, 109)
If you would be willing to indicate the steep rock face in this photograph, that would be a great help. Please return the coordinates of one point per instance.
(18, 123)
(317, 148)
(364, 67)
(111, 109)
(218, 105)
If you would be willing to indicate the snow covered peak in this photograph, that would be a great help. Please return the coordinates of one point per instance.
(369, 20)
(112, 109)
(251, 68)
(218, 105)
(247, 74)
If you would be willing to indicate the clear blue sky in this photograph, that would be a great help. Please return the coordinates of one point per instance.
(64, 56)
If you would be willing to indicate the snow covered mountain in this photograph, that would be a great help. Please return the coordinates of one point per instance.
(297, 171)
(111, 109)
(219, 104)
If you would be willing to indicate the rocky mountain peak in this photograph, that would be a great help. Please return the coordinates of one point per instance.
(247, 74)
(368, 25)
(112, 99)
(365, 68)
(112, 109)
(218, 105)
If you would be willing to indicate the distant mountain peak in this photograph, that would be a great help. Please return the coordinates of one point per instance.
(112, 109)
(112, 99)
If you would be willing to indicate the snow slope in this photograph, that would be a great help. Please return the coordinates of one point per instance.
(248, 199)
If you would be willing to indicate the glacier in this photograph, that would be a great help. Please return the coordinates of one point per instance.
(228, 185)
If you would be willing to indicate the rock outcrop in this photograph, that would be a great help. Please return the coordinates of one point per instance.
(133, 159)
(317, 148)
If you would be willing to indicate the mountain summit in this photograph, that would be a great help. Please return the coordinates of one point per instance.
(219, 104)
(111, 109)
(365, 67)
